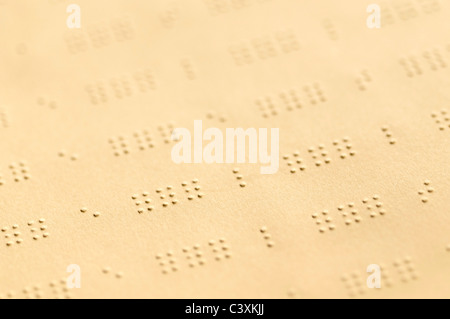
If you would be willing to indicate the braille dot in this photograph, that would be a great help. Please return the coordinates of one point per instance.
(42, 220)
(243, 184)
(83, 210)
(96, 214)
(15, 226)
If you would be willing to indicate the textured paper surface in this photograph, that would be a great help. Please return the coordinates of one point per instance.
(85, 122)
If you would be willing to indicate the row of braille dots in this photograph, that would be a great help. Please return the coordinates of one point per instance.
(121, 86)
(107, 270)
(385, 129)
(406, 9)
(170, 265)
(354, 283)
(386, 280)
(166, 132)
(119, 145)
(162, 196)
(428, 190)
(144, 140)
(442, 119)
(324, 221)
(216, 7)
(267, 237)
(344, 150)
(17, 234)
(20, 169)
(188, 69)
(34, 229)
(315, 93)
(58, 288)
(435, 60)
(220, 249)
(63, 153)
(298, 161)
(84, 210)
(99, 35)
(289, 100)
(4, 121)
(143, 201)
(320, 155)
(350, 213)
(330, 29)
(211, 115)
(188, 190)
(169, 16)
(373, 205)
(264, 47)
(363, 79)
(239, 177)
(411, 66)
(406, 268)
(51, 104)
(194, 255)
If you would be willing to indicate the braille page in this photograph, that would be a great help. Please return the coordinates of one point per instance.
(94, 98)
